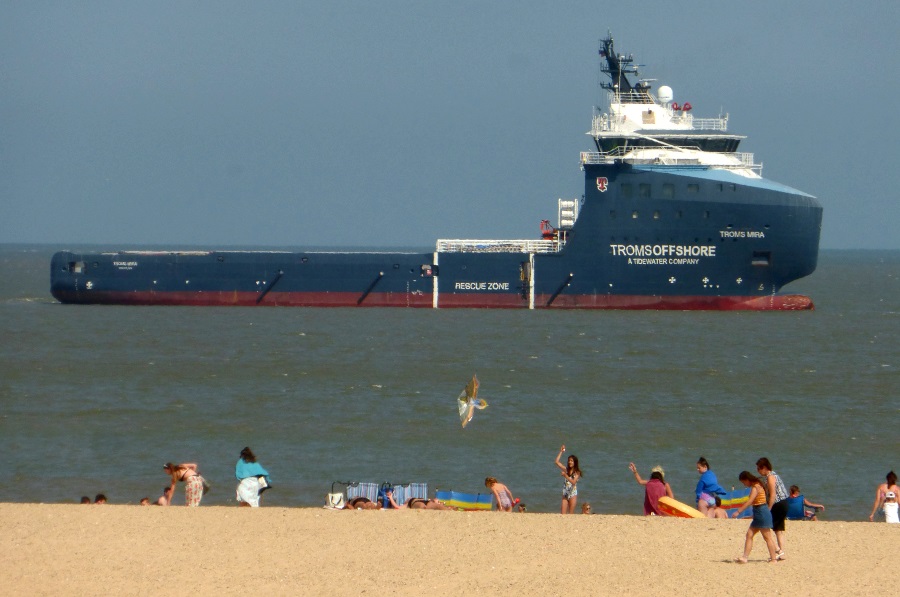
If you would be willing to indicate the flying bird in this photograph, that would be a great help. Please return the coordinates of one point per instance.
(468, 401)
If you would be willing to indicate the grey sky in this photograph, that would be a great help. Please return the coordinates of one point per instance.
(396, 123)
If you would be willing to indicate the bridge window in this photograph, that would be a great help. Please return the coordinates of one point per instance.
(693, 188)
(627, 190)
(668, 191)
(644, 190)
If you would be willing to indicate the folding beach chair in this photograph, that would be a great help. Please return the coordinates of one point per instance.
(797, 511)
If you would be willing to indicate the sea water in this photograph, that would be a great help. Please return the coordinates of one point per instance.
(97, 398)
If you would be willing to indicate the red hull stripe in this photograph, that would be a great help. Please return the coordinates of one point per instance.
(788, 302)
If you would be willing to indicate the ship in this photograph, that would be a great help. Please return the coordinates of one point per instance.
(672, 216)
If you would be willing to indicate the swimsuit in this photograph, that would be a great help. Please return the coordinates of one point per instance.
(570, 490)
(503, 498)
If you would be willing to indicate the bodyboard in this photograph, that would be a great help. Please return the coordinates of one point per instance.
(675, 508)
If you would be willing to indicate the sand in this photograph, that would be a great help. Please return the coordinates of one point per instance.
(134, 550)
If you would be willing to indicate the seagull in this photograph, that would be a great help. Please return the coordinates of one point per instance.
(468, 401)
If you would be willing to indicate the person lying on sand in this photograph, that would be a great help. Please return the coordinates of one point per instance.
(362, 503)
(425, 504)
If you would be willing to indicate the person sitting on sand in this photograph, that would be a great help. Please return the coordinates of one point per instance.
(882, 491)
(501, 493)
(166, 498)
(586, 508)
(654, 488)
(85, 499)
(707, 486)
(717, 511)
(145, 501)
(798, 504)
(100, 499)
(193, 481)
(362, 503)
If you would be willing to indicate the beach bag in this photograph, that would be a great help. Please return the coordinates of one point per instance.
(335, 501)
(383, 497)
(263, 484)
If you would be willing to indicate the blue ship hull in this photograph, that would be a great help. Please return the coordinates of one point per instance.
(656, 237)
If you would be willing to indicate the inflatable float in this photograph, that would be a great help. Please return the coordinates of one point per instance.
(671, 507)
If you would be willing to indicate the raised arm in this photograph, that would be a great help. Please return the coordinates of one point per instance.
(561, 466)
(637, 475)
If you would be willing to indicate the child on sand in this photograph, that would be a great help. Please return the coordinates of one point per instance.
(501, 493)
(800, 508)
(717, 511)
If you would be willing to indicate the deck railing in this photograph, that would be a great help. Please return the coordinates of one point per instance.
(498, 246)
(671, 158)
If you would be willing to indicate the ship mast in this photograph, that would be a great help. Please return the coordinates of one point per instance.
(617, 67)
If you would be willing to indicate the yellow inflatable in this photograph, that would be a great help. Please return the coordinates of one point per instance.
(672, 507)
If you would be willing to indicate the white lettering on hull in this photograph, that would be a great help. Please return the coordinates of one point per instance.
(481, 286)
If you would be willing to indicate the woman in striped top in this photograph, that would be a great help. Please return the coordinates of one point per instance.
(762, 518)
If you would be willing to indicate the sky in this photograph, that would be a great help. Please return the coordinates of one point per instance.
(374, 124)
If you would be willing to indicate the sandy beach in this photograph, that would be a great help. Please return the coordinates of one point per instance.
(133, 550)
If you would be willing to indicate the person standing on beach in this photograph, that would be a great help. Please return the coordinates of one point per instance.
(762, 518)
(193, 482)
(654, 488)
(252, 478)
(571, 473)
(707, 487)
(882, 491)
(777, 498)
(501, 493)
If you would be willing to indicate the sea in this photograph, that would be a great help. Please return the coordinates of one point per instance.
(95, 399)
